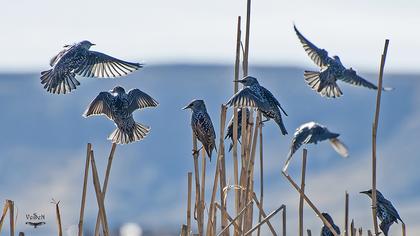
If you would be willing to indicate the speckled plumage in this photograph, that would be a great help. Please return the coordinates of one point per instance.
(77, 60)
(385, 212)
(312, 132)
(325, 231)
(229, 133)
(255, 95)
(202, 126)
(331, 69)
(118, 106)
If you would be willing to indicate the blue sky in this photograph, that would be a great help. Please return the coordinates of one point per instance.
(204, 31)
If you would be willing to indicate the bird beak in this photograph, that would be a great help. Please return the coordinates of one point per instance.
(365, 192)
(92, 44)
(186, 107)
(238, 81)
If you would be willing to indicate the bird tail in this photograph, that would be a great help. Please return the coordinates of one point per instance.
(339, 147)
(124, 136)
(280, 123)
(319, 82)
(55, 83)
(289, 158)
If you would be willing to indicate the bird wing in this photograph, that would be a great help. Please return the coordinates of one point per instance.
(139, 99)
(390, 208)
(271, 97)
(301, 136)
(97, 64)
(351, 77)
(339, 147)
(101, 105)
(319, 56)
(55, 58)
(203, 129)
(246, 98)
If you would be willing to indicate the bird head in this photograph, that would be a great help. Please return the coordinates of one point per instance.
(328, 217)
(86, 44)
(247, 81)
(369, 193)
(118, 90)
(195, 105)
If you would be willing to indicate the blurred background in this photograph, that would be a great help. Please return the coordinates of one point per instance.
(189, 48)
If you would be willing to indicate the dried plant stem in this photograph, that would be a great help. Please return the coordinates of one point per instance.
(99, 196)
(11, 216)
(105, 187)
(261, 179)
(403, 229)
(203, 185)
(309, 232)
(262, 213)
(58, 215)
(189, 203)
(346, 215)
(85, 179)
(3, 215)
(229, 218)
(247, 32)
(352, 229)
(265, 220)
(197, 188)
(234, 219)
(222, 167)
(360, 231)
(374, 133)
(314, 208)
(369, 233)
(284, 221)
(302, 187)
(184, 230)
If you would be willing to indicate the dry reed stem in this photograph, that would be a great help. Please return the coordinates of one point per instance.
(284, 221)
(309, 232)
(302, 186)
(262, 213)
(3, 215)
(243, 160)
(105, 187)
(184, 230)
(222, 167)
(223, 211)
(203, 185)
(352, 229)
(11, 216)
(99, 196)
(374, 133)
(346, 215)
(261, 178)
(247, 32)
(314, 208)
(85, 179)
(238, 54)
(369, 233)
(189, 203)
(265, 220)
(360, 231)
(403, 229)
(58, 215)
(197, 208)
(234, 219)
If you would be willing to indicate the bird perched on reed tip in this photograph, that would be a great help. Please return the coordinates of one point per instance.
(255, 95)
(331, 69)
(202, 126)
(385, 211)
(77, 60)
(119, 106)
(312, 132)
(229, 133)
(325, 231)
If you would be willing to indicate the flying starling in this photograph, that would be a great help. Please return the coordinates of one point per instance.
(325, 231)
(331, 69)
(312, 132)
(230, 127)
(385, 212)
(78, 60)
(255, 95)
(202, 126)
(118, 106)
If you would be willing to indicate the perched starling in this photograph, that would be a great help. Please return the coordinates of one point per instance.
(331, 70)
(255, 95)
(118, 106)
(77, 59)
(202, 126)
(385, 212)
(230, 127)
(312, 132)
(325, 231)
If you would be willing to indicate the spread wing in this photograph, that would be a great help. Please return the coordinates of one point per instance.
(270, 97)
(351, 77)
(101, 105)
(57, 57)
(139, 99)
(246, 98)
(319, 56)
(100, 65)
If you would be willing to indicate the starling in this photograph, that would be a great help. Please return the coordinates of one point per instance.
(202, 126)
(331, 69)
(312, 132)
(255, 95)
(325, 231)
(78, 60)
(230, 127)
(118, 106)
(386, 212)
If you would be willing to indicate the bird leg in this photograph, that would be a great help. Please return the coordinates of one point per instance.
(196, 152)
(262, 122)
